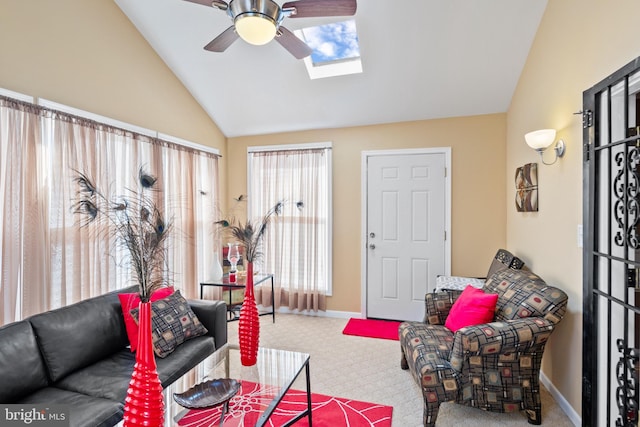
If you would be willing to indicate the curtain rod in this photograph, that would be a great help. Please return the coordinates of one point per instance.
(70, 114)
(290, 147)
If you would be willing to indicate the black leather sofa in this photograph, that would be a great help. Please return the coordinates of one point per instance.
(78, 356)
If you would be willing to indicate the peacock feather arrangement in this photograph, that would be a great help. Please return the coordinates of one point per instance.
(135, 220)
(250, 234)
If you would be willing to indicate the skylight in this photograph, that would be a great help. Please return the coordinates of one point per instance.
(335, 49)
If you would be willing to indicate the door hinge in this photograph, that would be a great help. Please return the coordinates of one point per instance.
(587, 123)
(587, 119)
(445, 172)
(633, 277)
(587, 146)
(445, 235)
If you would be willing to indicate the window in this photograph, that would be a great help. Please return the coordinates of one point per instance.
(47, 260)
(335, 49)
(297, 246)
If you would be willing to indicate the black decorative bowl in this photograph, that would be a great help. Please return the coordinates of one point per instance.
(208, 394)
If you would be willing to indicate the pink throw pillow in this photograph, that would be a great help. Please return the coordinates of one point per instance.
(131, 301)
(473, 307)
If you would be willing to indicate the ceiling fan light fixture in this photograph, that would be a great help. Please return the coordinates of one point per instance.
(255, 28)
(258, 22)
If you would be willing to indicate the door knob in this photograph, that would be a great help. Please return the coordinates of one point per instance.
(372, 246)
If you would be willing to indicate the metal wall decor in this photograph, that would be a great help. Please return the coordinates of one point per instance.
(611, 254)
(527, 188)
(626, 190)
(626, 392)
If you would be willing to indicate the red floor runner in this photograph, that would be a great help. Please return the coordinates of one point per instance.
(327, 411)
(372, 328)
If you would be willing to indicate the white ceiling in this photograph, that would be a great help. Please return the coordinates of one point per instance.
(422, 59)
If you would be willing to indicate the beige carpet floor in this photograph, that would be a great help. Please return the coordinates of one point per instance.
(368, 369)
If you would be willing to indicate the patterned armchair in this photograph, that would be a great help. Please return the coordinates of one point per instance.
(493, 366)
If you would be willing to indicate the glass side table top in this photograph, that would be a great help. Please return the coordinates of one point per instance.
(240, 281)
(233, 293)
(263, 386)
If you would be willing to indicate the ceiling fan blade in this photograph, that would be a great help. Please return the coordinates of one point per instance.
(293, 44)
(223, 41)
(317, 8)
(219, 4)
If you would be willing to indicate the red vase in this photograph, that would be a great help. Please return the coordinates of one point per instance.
(144, 404)
(249, 323)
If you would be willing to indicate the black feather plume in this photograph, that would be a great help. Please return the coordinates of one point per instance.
(136, 222)
(146, 180)
(250, 235)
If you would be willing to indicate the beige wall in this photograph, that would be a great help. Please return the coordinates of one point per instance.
(579, 43)
(478, 200)
(88, 55)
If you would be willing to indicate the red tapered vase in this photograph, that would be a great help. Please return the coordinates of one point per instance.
(144, 404)
(249, 323)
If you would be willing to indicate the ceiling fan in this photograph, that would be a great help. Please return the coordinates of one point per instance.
(258, 21)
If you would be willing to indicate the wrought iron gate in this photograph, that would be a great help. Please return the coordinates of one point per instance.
(611, 190)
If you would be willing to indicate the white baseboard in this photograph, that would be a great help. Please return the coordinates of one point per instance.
(343, 314)
(328, 313)
(561, 401)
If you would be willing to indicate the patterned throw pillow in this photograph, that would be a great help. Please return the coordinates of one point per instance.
(504, 259)
(172, 323)
(131, 301)
(524, 294)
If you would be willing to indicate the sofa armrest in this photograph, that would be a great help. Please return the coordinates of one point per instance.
(213, 315)
(522, 336)
(438, 304)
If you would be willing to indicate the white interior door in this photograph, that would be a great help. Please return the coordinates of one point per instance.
(406, 249)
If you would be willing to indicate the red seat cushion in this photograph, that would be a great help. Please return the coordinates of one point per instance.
(131, 301)
(473, 307)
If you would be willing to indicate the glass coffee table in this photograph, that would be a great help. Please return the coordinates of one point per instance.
(263, 388)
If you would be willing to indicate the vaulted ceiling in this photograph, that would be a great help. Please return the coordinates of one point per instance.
(422, 59)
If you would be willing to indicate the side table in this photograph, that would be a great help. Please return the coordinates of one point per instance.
(234, 304)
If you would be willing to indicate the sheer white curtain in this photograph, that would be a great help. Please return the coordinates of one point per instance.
(191, 181)
(19, 145)
(46, 259)
(297, 245)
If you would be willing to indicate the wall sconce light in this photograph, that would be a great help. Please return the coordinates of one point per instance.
(542, 139)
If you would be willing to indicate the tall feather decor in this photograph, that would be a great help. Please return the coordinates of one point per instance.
(250, 235)
(140, 227)
(135, 220)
